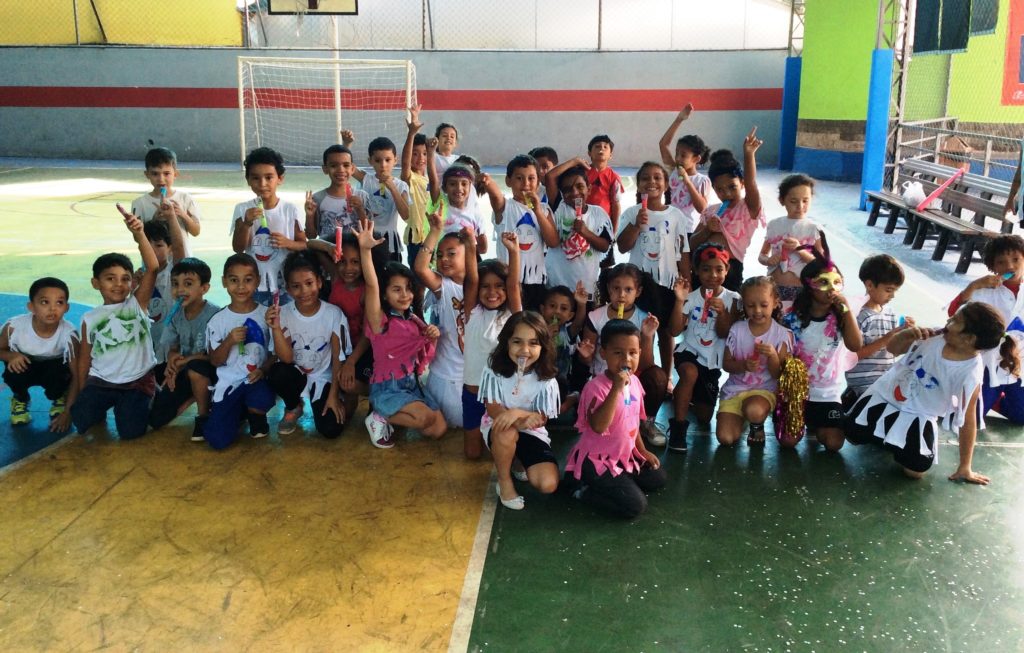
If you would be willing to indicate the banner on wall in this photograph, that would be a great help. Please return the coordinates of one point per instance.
(1013, 71)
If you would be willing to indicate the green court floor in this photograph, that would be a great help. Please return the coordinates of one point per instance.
(744, 550)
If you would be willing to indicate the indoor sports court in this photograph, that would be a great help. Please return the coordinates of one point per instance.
(301, 543)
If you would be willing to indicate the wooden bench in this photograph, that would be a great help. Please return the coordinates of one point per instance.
(948, 225)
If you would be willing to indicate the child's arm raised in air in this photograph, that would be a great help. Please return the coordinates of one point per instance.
(372, 311)
(551, 178)
(513, 288)
(177, 236)
(432, 178)
(600, 418)
(545, 221)
(752, 195)
(495, 195)
(665, 144)
(579, 318)
(677, 321)
(347, 138)
(471, 282)
(647, 330)
(282, 345)
(967, 436)
(421, 266)
(414, 124)
(144, 291)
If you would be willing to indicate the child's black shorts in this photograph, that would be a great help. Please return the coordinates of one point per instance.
(823, 414)
(705, 391)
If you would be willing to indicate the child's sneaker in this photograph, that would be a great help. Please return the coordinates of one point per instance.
(677, 434)
(290, 420)
(19, 412)
(58, 406)
(652, 433)
(258, 426)
(381, 433)
(198, 431)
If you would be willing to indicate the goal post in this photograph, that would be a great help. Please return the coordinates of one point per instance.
(299, 106)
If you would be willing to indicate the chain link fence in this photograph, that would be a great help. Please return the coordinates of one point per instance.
(960, 87)
(611, 25)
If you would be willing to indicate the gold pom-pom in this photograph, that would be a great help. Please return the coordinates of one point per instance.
(789, 409)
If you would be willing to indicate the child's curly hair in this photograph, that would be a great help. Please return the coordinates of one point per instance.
(647, 288)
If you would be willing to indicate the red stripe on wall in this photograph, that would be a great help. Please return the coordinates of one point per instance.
(128, 97)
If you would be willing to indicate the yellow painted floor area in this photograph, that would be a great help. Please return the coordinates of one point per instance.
(297, 543)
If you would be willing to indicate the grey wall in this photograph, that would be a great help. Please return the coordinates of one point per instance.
(211, 134)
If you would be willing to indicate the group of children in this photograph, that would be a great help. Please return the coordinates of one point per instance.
(550, 326)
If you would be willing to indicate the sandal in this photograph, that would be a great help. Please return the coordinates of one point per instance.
(755, 437)
(515, 503)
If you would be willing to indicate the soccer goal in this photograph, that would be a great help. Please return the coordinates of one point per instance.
(300, 106)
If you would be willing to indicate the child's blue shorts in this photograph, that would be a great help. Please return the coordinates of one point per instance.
(389, 397)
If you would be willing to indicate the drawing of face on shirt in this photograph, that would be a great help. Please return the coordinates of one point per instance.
(261, 247)
(705, 331)
(255, 346)
(650, 241)
(912, 379)
(309, 352)
(526, 230)
(157, 306)
(380, 206)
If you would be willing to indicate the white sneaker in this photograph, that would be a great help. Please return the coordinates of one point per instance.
(381, 433)
(652, 433)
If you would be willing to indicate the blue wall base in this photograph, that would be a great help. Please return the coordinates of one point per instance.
(829, 164)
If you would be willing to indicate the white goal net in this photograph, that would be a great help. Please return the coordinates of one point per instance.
(300, 106)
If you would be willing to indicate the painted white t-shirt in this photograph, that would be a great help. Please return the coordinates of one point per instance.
(681, 198)
(804, 230)
(380, 207)
(820, 346)
(740, 344)
(446, 311)
(239, 364)
(456, 219)
(657, 248)
(22, 338)
(146, 207)
(310, 337)
(526, 392)
(700, 338)
(286, 219)
(575, 260)
(122, 344)
(1011, 309)
(482, 331)
(516, 217)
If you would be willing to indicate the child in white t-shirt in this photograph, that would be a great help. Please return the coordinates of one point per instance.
(39, 349)
(164, 201)
(116, 359)
(689, 189)
(337, 207)
(450, 195)
(704, 316)
(239, 342)
(318, 340)
(529, 218)
(584, 232)
(388, 198)
(788, 240)
(266, 227)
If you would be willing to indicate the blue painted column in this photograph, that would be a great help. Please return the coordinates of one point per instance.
(790, 112)
(877, 125)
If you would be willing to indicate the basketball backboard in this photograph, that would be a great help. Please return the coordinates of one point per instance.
(326, 7)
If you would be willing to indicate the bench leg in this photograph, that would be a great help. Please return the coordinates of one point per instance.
(876, 206)
(966, 255)
(941, 245)
(890, 221)
(921, 233)
(912, 225)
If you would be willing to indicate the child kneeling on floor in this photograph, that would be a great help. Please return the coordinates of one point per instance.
(610, 463)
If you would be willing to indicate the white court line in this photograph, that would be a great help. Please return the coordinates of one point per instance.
(463, 625)
(995, 445)
(29, 458)
(5, 172)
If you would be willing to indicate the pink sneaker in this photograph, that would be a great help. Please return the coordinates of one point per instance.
(381, 433)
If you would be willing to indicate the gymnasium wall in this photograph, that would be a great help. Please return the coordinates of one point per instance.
(181, 22)
(108, 102)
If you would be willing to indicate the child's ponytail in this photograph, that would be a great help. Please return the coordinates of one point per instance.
(1009, 356)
